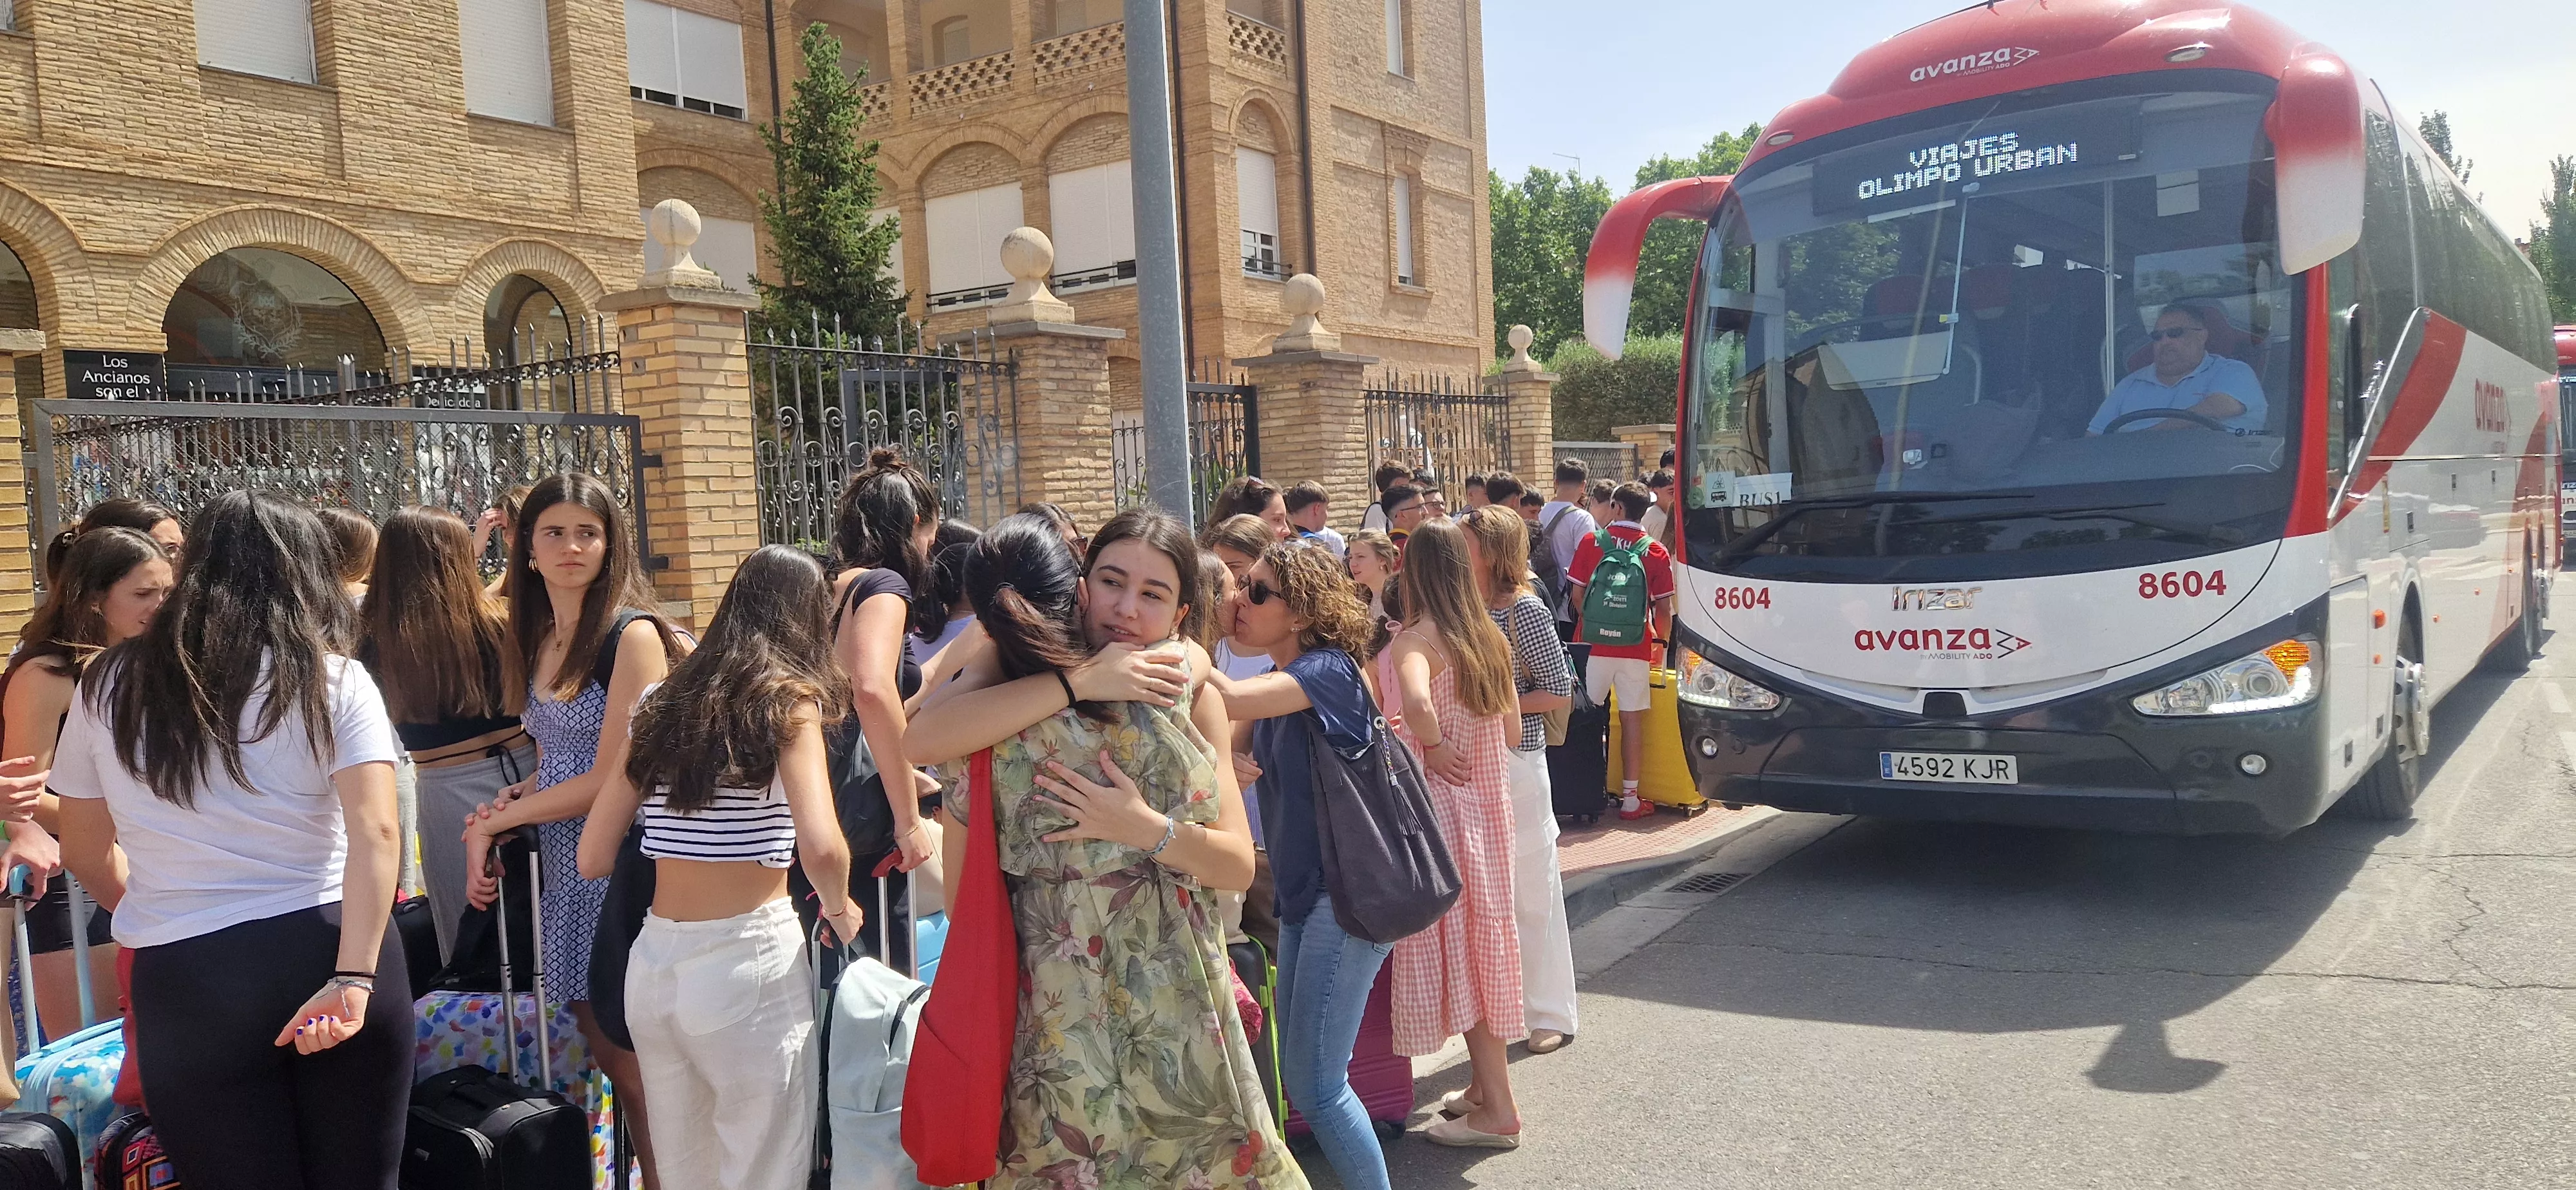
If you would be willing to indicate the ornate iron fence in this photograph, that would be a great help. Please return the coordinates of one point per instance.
(1453, 427)
(823, 400)
(374, 459)
(574, 374)
(1225, 438)
(1613, 461)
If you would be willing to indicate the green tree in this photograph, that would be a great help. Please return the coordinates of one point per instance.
(1594, 394)
(2553, 240)
(2436, 131)
(1541, 230)
(1672, 246)
(831, 257)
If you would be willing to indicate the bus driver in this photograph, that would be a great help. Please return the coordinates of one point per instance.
(2185, 376)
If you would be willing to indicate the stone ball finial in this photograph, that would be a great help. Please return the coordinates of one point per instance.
(1302, 300)
(1302, 297)
(674, 225)
(1029, 256)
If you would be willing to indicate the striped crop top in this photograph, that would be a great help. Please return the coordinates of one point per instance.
(740, 826)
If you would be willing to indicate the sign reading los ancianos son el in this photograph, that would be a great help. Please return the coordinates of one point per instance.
(114, 375)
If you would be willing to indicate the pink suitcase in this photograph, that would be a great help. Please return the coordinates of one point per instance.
(1383, 1077)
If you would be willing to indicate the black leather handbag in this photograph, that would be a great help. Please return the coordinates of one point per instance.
(1385, 865)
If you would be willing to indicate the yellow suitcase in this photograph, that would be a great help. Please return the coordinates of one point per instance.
(1667, 777)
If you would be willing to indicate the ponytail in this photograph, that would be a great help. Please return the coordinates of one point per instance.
(1021, 579)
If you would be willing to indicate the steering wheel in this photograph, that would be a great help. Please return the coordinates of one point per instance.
(2202, 420)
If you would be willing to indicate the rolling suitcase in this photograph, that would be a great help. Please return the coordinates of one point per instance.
(37, 1152)
(1382, 1077)
(473, 1129)
(1578, 769)
(1252, 965)
(72, 1079)
(1665, 777)
(130, 1157)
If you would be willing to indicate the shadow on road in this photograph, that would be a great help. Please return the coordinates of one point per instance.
(1986, 929)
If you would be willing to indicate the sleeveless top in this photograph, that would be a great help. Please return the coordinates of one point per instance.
(739, 826)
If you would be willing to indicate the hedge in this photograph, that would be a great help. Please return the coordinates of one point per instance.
(1593, 393)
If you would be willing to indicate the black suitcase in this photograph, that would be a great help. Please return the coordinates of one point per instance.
(474, 1129)
(1578, 770)
(37, 1152)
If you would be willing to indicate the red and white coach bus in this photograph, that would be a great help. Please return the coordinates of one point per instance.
(2097, 413)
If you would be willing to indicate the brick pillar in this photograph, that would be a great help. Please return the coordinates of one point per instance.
(1651, 439)
(1062, 387)
(1313, 425)
(1530, 393)
(17, 555)
(686, 374)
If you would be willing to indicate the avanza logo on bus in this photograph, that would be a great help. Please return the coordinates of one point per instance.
(2003, 59)
(1977, 644)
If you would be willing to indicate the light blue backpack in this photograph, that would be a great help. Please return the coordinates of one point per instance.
(869, 1028)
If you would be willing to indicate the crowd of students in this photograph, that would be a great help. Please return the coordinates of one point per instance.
(211, 728)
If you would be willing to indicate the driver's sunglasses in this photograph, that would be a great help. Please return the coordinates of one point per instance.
(2173, 332)
(1258, 592)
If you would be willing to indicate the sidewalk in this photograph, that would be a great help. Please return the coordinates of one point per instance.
(1610, 860)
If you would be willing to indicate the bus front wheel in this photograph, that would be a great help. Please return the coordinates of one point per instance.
(2388, 791)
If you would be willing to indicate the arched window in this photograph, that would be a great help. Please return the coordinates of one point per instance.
(522, 321)
(257, 321)
(18, 312)
(949, 42)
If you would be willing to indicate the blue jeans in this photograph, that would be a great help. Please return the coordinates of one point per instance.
(1324, 981)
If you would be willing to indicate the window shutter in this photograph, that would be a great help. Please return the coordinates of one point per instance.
(1395, 36)
(1094, 212)
(966, 233)
(270, 37)
(1404, 273)
(1256, 191)
(894, 255)
(710, 59)
(652, 59)
(509, 70)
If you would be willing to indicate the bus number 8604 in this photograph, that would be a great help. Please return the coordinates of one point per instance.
(2181, 584)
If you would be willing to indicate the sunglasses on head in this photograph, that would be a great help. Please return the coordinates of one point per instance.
(2172, 332)
(1258, 592)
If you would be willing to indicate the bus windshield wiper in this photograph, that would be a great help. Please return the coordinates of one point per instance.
(1794, 509)
(2205, 534)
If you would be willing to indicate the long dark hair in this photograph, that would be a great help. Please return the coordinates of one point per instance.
(434, 640)
(68, 628)
(257, 610)
(1023, 582)
(620, 584)
(719, 719)
(115, 512)
(880, 508)
(948, 564)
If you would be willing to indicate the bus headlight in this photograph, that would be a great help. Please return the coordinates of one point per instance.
(1709, 684)
(2284, 675)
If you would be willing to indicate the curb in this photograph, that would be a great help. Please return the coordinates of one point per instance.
(1591, 893)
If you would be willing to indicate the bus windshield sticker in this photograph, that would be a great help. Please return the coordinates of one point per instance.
(1909, 171)
(1754, 491)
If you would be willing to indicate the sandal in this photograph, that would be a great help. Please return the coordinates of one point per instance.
(1548, 1041)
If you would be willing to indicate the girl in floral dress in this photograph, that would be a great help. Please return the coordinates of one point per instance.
(1445, 679)
(1130, 1070)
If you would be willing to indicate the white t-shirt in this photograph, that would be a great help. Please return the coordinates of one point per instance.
(1240, 665)
(1375, 517)
(241, 854)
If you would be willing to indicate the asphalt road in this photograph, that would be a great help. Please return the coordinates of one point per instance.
(1899, 1004)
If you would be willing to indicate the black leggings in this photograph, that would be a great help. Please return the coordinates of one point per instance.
(233, 1108)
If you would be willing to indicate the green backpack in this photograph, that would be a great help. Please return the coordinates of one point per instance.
(1615, 602)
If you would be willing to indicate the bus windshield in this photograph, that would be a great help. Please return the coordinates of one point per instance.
(1996, 343)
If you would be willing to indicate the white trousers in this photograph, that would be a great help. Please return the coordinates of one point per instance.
(723, 1017)
(1538, 898)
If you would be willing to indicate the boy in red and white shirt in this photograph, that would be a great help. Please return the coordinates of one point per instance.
(1625, 668)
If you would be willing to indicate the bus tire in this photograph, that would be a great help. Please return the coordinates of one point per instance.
(2515, 652)
(2387, 792)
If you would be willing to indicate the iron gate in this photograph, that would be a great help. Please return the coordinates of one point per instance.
(1224, 438)
(1454, 428)
(822, 400)
(374, 459)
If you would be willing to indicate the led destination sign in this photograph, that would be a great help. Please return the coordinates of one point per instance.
(2031, 148)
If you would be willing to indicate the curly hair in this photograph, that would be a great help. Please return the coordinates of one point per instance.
(1311, 580)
